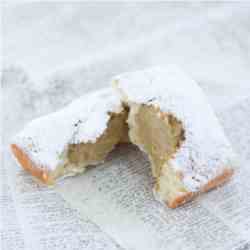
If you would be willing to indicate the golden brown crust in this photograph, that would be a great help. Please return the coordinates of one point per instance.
(181, 199)
(29, 165)
(217, 181)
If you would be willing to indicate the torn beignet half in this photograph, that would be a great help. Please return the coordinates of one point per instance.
(64, 143)
(170, 120)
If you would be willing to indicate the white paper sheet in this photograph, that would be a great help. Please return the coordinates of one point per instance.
(112, 205)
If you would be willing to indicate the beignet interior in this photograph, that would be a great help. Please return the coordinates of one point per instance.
(159, 135)
(78, 156)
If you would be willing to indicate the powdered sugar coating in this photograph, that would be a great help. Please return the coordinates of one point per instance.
(205, 152)
(84, 120)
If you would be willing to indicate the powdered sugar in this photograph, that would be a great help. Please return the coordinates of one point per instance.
(203, 155)
(84, 120)
(206, 152)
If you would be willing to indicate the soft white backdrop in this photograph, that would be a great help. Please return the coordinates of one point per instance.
(211, 40)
